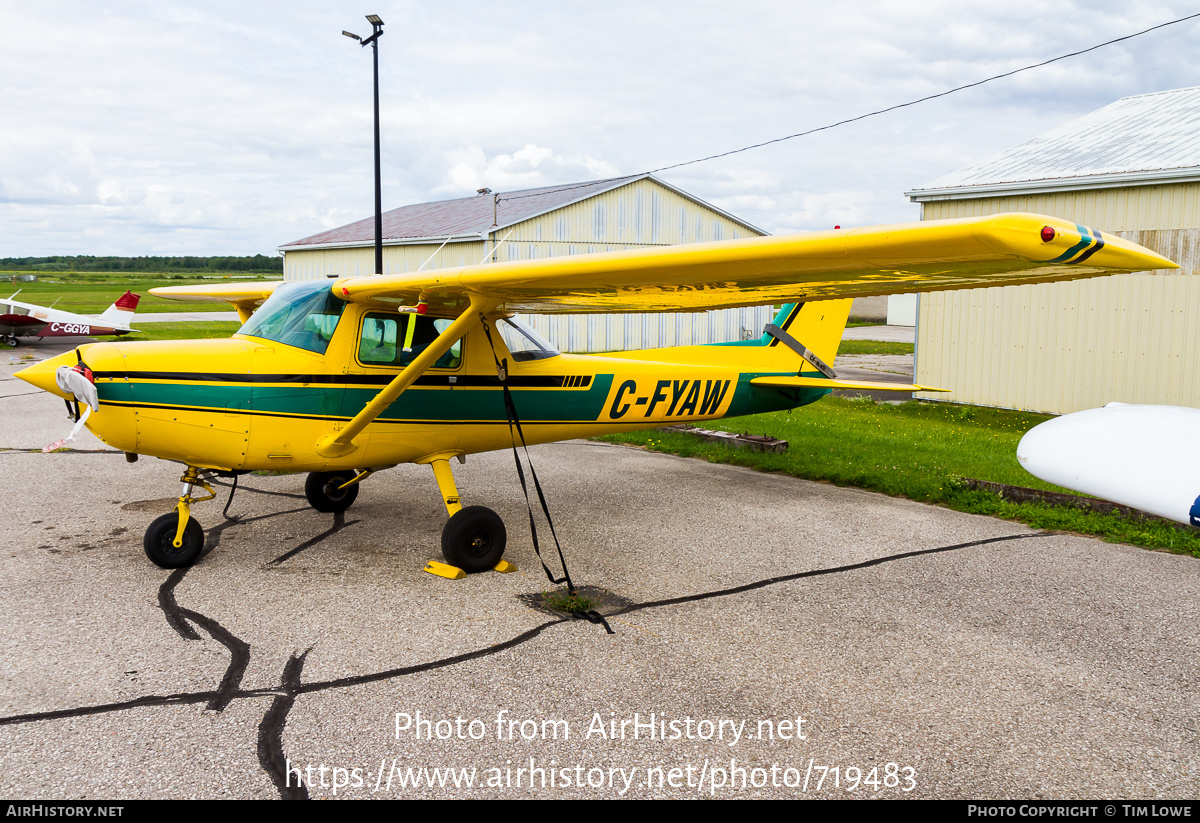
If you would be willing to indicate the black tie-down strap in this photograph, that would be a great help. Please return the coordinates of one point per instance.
(514, 428)
(593, 616)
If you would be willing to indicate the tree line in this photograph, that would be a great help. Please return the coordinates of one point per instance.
(257, 263)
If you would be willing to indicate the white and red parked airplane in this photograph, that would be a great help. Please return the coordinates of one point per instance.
(26, 320)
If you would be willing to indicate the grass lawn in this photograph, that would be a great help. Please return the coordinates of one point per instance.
(192, 330)
(874, 347)
(914, 450)
(188, 330)
(93, 292)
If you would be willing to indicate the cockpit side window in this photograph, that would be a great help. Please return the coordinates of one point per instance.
(523, 342)
(304, 315)
(381, 342)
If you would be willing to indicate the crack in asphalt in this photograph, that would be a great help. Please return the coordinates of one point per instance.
(239, 658)
(270, 733)
(171, 609)
(180, 619)
(672, 601)
(270, 730)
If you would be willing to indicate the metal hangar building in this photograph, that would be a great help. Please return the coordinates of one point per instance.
(1131, 168)
(579, 218)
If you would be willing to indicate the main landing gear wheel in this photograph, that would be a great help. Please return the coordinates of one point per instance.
(321, 489)
(12, 341)
(474, 539)
(160, 547)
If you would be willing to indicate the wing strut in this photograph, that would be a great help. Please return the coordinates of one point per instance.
(340, 443)
(799, 348)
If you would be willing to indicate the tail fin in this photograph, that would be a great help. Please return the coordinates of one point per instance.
(121, 312)
(815, 325)
(818, 325)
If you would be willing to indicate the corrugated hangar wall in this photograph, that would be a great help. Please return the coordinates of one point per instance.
(633, 216)
(1064, 347)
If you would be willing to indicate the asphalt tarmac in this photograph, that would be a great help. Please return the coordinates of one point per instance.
(772, 637)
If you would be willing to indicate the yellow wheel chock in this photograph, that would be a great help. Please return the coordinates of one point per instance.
(445, 570)
(455, 573)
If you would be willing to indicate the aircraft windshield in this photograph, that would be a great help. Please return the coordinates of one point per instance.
(523, 342)
(298, 314)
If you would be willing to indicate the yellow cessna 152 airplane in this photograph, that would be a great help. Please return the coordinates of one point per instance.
(346, 378)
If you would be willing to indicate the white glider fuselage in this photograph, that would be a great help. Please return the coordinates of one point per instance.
(1146, 457)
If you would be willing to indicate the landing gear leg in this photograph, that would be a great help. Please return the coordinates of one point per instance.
(474, 537)
(176, 540)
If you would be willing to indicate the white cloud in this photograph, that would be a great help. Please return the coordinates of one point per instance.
(470, 169)
(223, 127)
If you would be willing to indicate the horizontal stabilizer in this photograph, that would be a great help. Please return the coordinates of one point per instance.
(825, 383)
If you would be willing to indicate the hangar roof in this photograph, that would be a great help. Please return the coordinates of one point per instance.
(1136, 141)
(475, 216)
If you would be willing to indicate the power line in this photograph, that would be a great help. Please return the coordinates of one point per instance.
(929, 97)
(882, 111)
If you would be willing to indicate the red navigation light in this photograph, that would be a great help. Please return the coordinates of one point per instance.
(1047, 234)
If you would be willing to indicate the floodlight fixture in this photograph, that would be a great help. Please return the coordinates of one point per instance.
(373, 40)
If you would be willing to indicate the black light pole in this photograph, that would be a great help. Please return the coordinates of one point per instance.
(377, 25)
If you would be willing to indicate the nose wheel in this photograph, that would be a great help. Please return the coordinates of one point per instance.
(160, 547)
(176, 540)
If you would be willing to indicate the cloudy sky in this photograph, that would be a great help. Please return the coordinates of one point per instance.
(234, 127)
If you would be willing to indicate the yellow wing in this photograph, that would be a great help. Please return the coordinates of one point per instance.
(245, 297)
(934, 255)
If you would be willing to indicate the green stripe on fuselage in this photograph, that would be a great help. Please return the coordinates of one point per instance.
(326, 401)
(425, 404)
